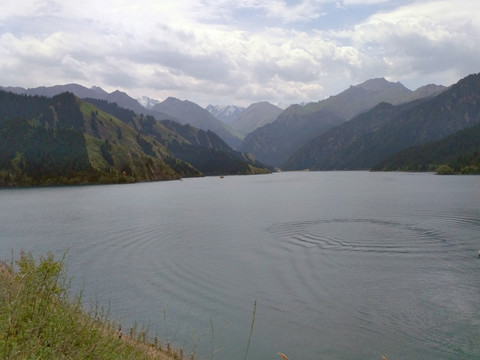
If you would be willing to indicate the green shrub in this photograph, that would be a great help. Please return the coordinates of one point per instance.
(444, 170)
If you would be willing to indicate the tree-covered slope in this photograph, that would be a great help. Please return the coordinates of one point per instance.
(207, 152)
(187, 112)
(63, 140)
(203, 149)
(451, 111)
(325, 151)
(274, 143)
(460, 152)
(351, 147)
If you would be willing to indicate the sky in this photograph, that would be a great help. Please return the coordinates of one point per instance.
(237, 51)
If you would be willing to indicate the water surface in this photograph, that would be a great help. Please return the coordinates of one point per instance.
(342, 265)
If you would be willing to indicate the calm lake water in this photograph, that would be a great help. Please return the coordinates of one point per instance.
(342, 265)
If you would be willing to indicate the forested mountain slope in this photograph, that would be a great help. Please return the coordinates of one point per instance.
(205, 150)
(274, 143)
(457, 153)
(66, 140)
(397, 128)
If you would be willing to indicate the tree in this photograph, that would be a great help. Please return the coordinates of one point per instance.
(444, 170)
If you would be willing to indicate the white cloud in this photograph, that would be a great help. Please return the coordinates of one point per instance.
(422, 40)
(234, 51)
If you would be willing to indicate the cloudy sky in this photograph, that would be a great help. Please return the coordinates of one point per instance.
(237, 51)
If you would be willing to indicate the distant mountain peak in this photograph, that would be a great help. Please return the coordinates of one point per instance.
(256, 115)
(225, 113)
(378, 84)
(118, 92)
(171, 99)
(226, 109)
(427, 91)
(148, 102)
(281, 105)
(188, 112)
(98, 90)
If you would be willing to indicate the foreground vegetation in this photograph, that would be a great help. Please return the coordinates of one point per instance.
(40, 319)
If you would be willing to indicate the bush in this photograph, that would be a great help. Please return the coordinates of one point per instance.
(444, 170)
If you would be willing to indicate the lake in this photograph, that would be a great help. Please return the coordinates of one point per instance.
(341, 265)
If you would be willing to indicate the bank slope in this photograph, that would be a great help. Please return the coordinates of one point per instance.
(41, 319)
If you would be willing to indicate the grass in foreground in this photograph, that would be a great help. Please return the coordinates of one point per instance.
(39, 319)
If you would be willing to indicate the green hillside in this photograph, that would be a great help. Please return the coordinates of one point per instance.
(203, 149)
(456, 154)
(64, 140)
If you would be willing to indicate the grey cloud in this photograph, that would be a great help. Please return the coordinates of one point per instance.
(199, 53)
(214, 67)
(119, 79)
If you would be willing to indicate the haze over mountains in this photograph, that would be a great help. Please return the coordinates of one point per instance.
(187, 112)
(360, 128)
(246, 120)
(225, 113)
(369, 139)
(147, 102)
(276, 142)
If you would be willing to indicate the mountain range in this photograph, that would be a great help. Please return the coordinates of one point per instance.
(374, 125)
(458, 153)
(174, 109)
(368, 140)
(274, 143)
(66, 140)
(205, 150)
(187, 112)
(82, 92)
(225, 113)
(255, 116)
(148, 103)
(245, 120)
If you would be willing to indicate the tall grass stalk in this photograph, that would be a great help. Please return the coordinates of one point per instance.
(251, 328)
(213, 339)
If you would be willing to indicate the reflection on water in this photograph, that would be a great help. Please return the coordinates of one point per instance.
(343, 265)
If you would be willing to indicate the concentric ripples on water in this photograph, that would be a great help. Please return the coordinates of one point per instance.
(362, 235)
